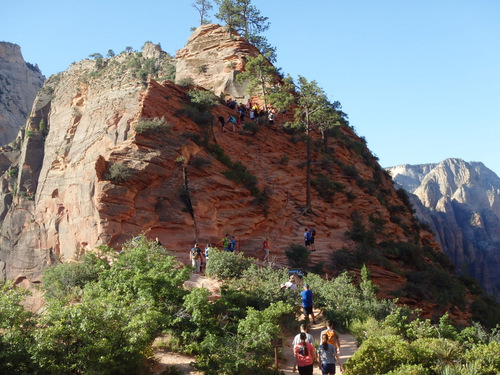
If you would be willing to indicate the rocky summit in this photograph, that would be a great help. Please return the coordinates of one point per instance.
(122, 151)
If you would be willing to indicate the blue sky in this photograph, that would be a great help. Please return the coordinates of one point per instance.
(420, 80)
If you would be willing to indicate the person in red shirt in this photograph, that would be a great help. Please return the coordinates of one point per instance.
(265, 246)
(304, 356)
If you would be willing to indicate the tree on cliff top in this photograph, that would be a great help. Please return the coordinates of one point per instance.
(244, 18)
(264, 80)
(203, 6)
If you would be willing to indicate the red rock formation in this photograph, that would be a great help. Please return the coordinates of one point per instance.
(76, 207)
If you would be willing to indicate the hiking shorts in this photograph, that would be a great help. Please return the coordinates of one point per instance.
(308, 310)
(305, 370)
(328, 368)
(308, 242)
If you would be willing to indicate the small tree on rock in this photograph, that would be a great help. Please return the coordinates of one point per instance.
(312, 111)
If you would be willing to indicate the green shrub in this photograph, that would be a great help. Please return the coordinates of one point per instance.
(226, 265)
(186, 82)
(379, 355)
(260, 286)
(350, 171)
(154, 126)
(485, 357)
(68, 279)
(17, 326)
(325, 187)
(13, 172)
(251, 127)
(410, 370)
(203, 100)
(118, 172)
(298, 256)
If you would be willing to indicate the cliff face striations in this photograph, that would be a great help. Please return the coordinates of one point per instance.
(461, 202)
(19, 84)
(123, 152)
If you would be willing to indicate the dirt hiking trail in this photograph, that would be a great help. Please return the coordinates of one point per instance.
(183, 363)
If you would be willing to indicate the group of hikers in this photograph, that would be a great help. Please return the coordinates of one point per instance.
(327, 354)
(309, 235)
(228, 244)
(252, 110)
(305, 354)
(196, 256)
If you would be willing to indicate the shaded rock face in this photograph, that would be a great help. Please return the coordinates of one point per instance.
(212, 58)
(461, 202)
(65, 203)
(19, 84)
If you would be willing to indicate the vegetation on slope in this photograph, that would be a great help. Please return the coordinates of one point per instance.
(103, 313)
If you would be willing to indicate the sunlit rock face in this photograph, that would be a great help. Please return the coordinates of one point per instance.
(461, 202)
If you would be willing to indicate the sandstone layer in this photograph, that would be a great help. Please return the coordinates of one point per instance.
(66, 202)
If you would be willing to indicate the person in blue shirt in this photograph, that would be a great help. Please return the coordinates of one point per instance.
(232, 244)
(307, 303)
(307, 239)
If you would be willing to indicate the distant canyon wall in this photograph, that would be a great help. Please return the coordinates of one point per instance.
(461, 202)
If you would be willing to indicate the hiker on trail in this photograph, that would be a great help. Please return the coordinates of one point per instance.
(265, 246)
(222, 123)
(303, 328)
(327, 357)
(307, 239)
(195, 257)
(271, 118)
(232, 244)
(241, 111)
(333, 336)
(290, 284)
(312, 231)
(231, 120)
(304, 356)
(225, 243)
(307, 303)
(207, 250)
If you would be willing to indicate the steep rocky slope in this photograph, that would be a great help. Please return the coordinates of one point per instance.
(461, 202)
(19, 84)
(175, 186)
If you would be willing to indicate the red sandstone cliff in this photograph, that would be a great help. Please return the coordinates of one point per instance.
(64, 204)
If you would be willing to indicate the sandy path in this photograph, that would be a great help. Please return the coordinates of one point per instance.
(182, 362)
(347, 344)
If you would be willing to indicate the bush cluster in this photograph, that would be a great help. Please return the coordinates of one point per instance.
(154, 126)
(118, 172)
